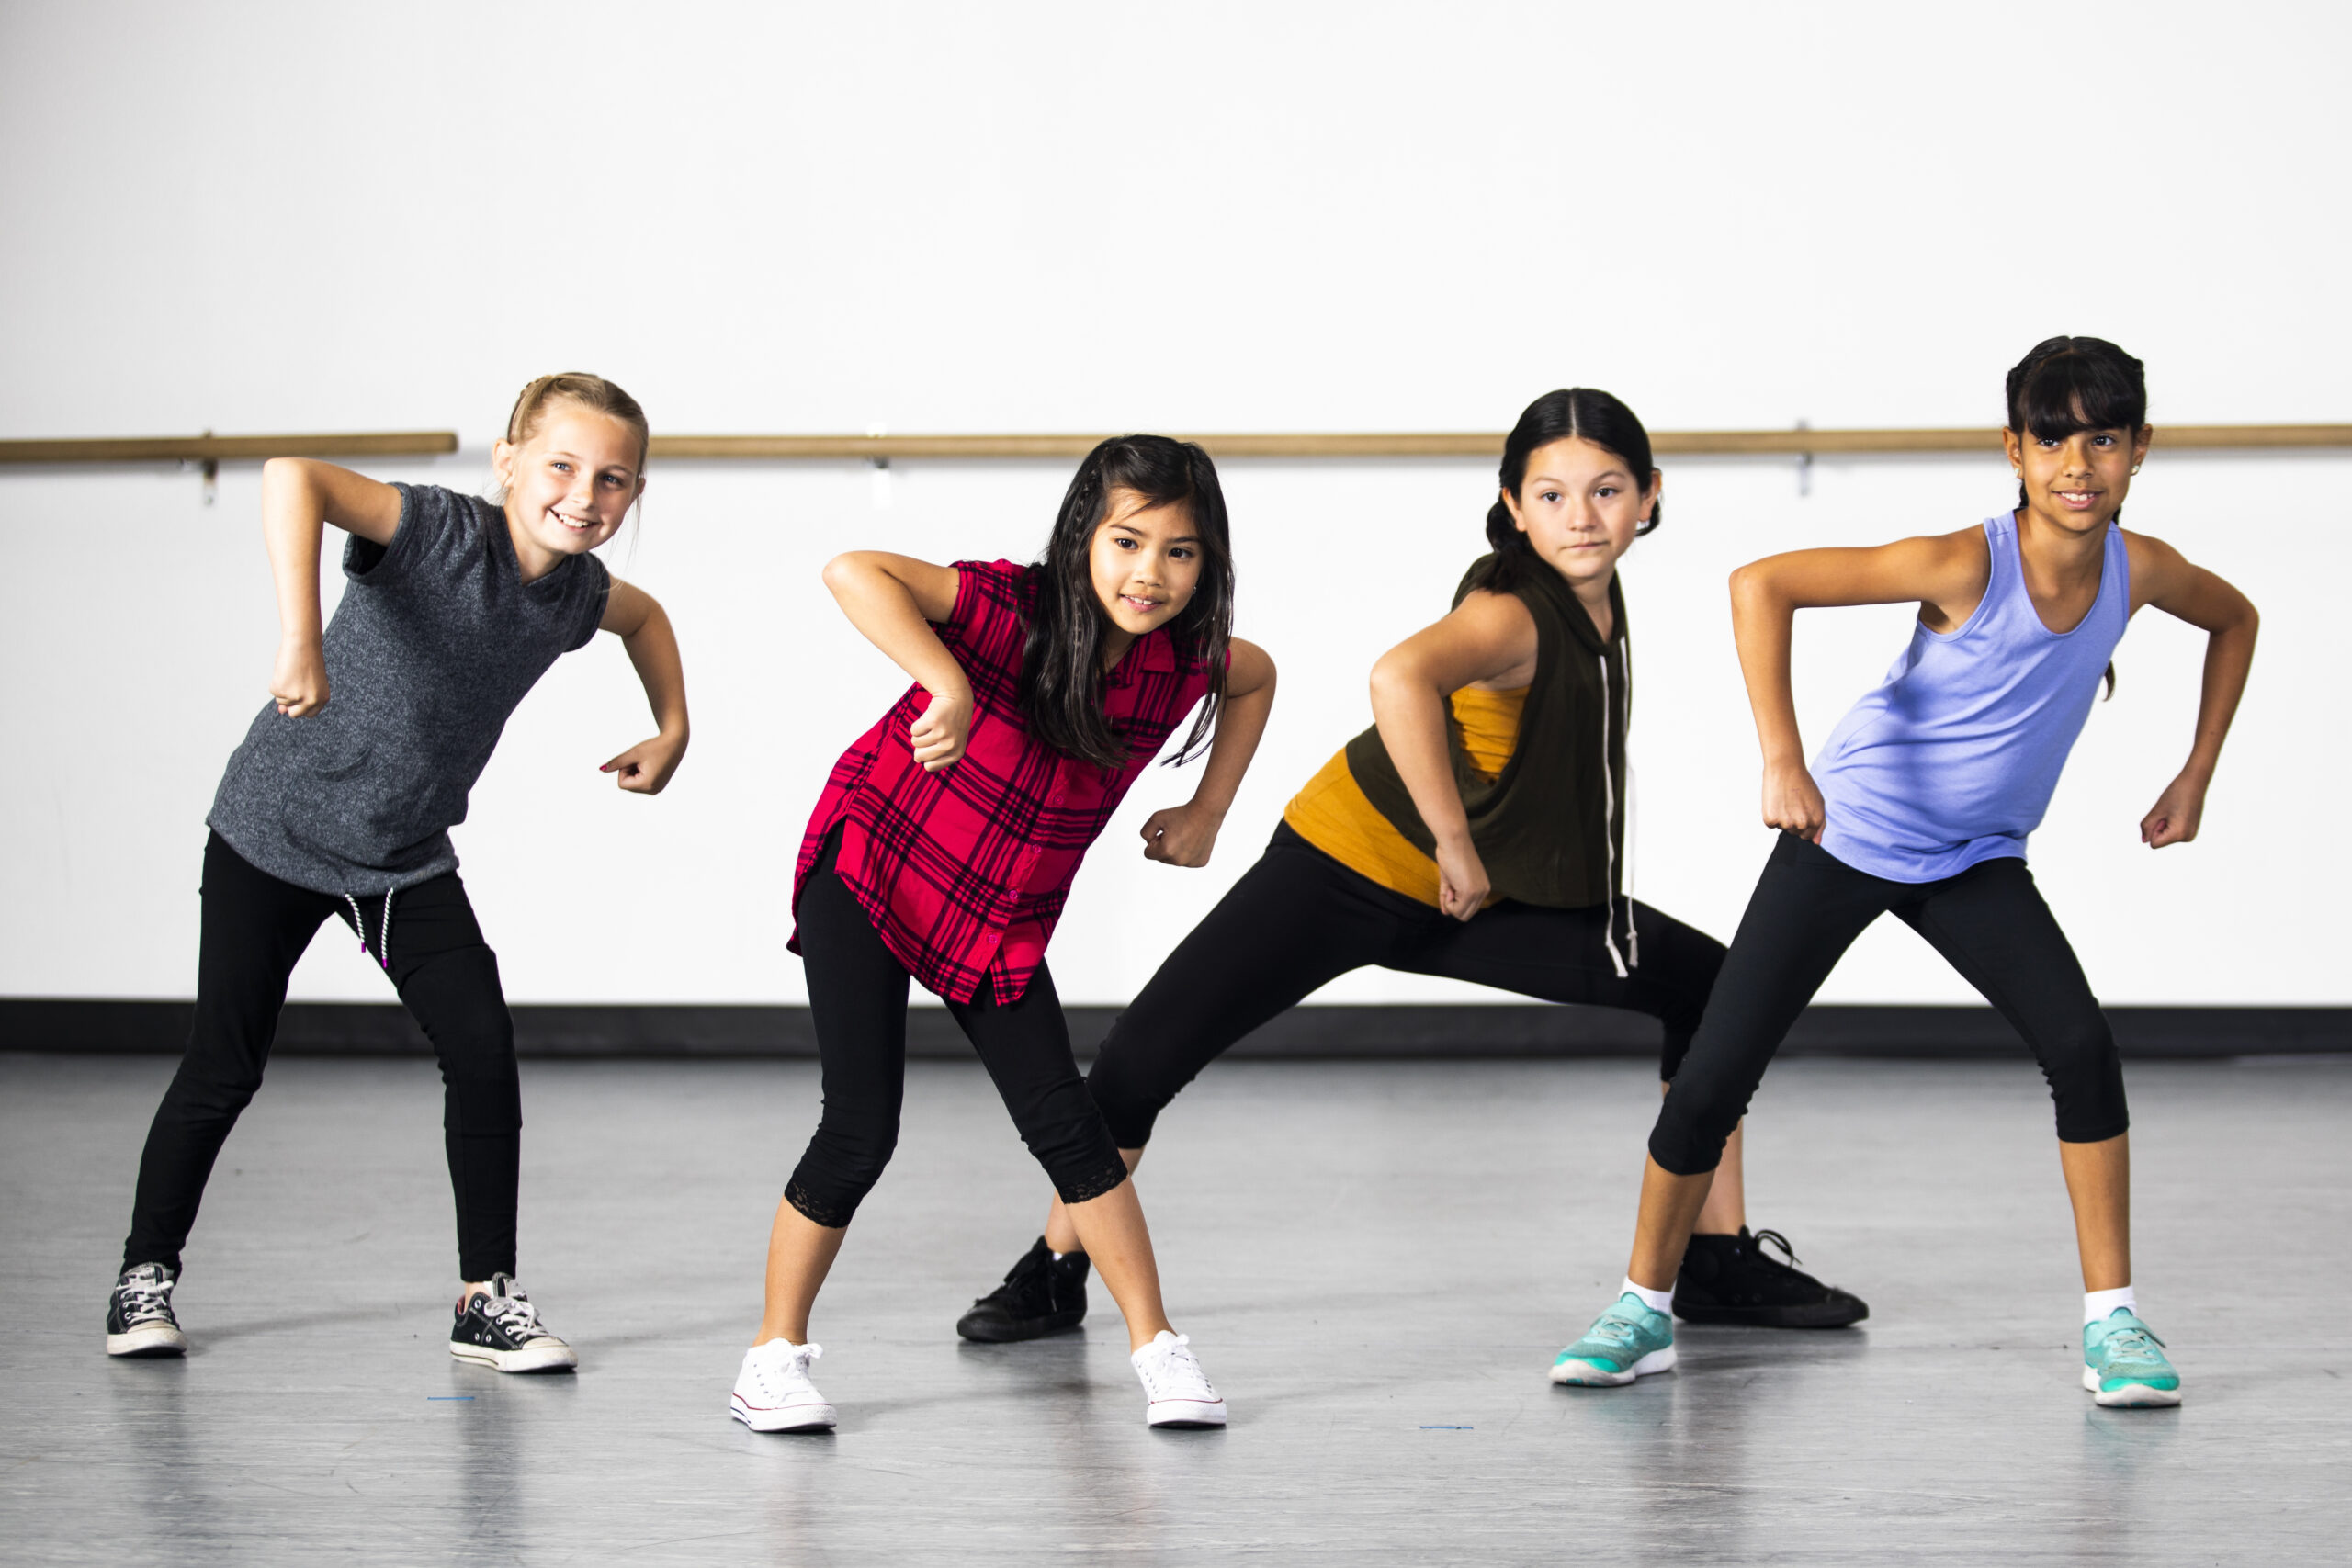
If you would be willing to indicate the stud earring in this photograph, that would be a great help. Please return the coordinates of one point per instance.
(2135, 467)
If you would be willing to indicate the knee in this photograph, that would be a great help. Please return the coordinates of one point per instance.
(1075, 1145)
(1128, 1095)
(844, 1160)
(2085, 1075)
(1692, 1126)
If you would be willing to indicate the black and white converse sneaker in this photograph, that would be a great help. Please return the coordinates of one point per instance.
(500, 1328)
(1042, 1295)
(1728, 1279)
(139, 1313)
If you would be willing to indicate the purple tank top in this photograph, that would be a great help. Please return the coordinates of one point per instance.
(1953, 758)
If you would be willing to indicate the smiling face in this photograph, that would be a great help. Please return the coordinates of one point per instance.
(1579, 506)
(2076, 482)
(1146, 563)
(569, 484)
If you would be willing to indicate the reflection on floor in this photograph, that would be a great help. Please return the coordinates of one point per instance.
(1376, 1264)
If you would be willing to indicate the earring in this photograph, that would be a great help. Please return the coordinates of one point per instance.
(2135, 467)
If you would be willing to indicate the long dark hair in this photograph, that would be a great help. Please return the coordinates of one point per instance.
(2066, 385)
(1584, 411)
(1061, 665)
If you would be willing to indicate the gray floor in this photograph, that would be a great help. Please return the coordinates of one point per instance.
(1376, 1264)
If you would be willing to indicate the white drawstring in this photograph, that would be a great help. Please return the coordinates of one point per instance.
(384, 930)
(1633, 811)
(1608, 820)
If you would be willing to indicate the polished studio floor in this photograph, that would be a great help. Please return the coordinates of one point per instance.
(1375, 1262)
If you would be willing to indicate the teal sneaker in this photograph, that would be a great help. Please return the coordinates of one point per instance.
(1628, 1341)
(2123, 1366)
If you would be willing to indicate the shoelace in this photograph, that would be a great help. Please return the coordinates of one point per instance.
(514, 1313)
(1173, 1366)
(146, 1296)
(1777, 1239)
(794, 1361)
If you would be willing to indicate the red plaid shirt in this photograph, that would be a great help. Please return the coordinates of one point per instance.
(965, 871)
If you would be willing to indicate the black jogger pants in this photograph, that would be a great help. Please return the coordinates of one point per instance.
(254, 929)
(1989, 922)
(1299, 919)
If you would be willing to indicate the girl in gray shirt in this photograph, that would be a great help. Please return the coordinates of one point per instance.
(340, 799)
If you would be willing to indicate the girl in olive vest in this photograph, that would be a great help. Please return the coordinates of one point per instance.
(1476, 832)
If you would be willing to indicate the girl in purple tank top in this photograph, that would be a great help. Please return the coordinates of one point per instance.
(1920, 804)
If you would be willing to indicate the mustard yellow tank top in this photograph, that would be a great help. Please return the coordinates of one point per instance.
(1333, 814)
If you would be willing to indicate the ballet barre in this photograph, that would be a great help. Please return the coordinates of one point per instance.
(1796, 442)
(208, 449)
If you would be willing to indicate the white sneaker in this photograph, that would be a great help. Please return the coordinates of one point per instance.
(1177, 1391)
(773, 1392)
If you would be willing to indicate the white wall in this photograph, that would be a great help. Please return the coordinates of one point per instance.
(279, 216)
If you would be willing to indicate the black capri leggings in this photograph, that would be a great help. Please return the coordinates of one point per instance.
(857, 1000)
(255, 929)
(1299, 919)
(1989, 922)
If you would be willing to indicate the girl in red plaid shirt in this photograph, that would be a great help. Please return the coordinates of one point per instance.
(943, 848)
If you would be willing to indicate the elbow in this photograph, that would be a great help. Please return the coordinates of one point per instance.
(1393, 679)
(842, 571)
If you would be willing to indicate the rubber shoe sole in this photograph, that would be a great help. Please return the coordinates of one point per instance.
(1184, 1413)
(147, 1340)
(2132, 1395)
(816, 1417)
(1811, 1314)
(530, 1359)
(1575, 1373)
(986, 1330)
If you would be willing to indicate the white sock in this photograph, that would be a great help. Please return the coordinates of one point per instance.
(1656, 1301)
(2098, 1305)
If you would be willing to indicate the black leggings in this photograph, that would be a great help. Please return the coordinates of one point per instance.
(254, 929)
(1989, 922)
(857, 1000)
(1299, 919)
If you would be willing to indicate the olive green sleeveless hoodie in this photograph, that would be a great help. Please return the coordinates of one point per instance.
(1551, 826)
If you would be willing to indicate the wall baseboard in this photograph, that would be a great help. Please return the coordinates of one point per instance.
(100, 1026)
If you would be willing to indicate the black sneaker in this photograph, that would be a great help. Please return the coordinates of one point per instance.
(1043, 1295)
(500, 1328)
(139, 1313)
(1728, 1279)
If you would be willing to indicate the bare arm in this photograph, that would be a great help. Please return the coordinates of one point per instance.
(2162, 577)
(1945, 575)
(894, 600)
(643, 626)
(1488, 637)
(299, 497)
(1186, 834)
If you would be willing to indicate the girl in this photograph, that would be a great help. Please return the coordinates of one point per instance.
(455, 606)
(946, 842)
(1476, 832)
(1920, 804)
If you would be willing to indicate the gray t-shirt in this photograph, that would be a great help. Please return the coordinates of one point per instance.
(436, 641)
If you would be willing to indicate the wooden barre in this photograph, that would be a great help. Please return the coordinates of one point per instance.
(1467, 443)
(1459, 444)
(231, 448)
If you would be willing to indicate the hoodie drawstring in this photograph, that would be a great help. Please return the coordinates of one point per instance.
(1609, 821)
(383, 928)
